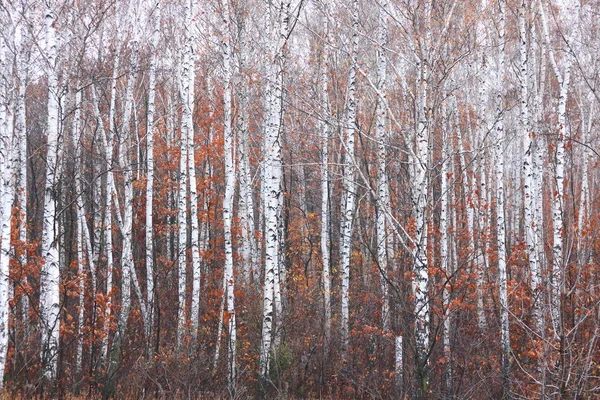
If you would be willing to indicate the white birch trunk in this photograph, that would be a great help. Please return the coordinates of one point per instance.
(20, 136)
(384, 245)
(445, 253)
(228, 200)
(246, 207)
(420, 165)
(246, 201)
(150, 180)
(50, 274)
(128, 274)
(76, 138)
(182, 239)
(481, 190)
(528, 172)
(538, 158)
(348, 186)
(500, 223)
(195, 232)
(8, 165)
(220, 327)
(556, 277)
(398, 366)
(187, 78)
(584, 196)
(271, 188)
(325, 228)
(107, 142)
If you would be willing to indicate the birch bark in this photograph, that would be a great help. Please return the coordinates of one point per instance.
(271, 188)
(228, 200)
(348, 185)
(420, 189)
(325, 228)
(50, 274)
(8, 166)
(500, 223)
(384, 244)
(152, 120)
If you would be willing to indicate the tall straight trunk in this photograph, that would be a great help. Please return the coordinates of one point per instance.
(348, 186)
(228, 200)
(8, 171)
(479, 187)
(539, 151)
(445, 255)
(195, 233)
(384, 244)
(106, 139)
(246, 202)
(50, 274)
(149, 323)
(557, 277)
(21, 140)
(482, 226)
(420, 189)
(125, 220)
(80, 217)
(272, 174)
(182, 239)
(584, 196)
(500, 223)
(187, 149)
(528, 171)
(325, 129)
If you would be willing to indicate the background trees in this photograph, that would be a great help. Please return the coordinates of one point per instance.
(180, 175)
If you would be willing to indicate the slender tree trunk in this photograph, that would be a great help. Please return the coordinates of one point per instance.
(21, 138)
(187, 150)
(500, 222)
(75, 138)
(152, 120)
(384, 237)
(246, 207)
(420, 166)
(8, 174)
(446, 267)
(107, 143)
(50, 274)
(325, 234)
(228, 201)
(272, 174)
(348, 186)
(195, 232)
(128, 274)
(534, 266)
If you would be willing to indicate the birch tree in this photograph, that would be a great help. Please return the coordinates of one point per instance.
(152, 121)
(272, 174)
(563, 77)
(420, 190)
(325, 209)
(186, 87)
(50, 275)
(348, 184)
(228, 199)
(8, 172)
(384, 244)
(500, 222)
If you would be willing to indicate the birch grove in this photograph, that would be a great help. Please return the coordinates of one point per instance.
(299, 199)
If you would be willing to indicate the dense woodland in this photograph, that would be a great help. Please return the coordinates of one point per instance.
(300, 199)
